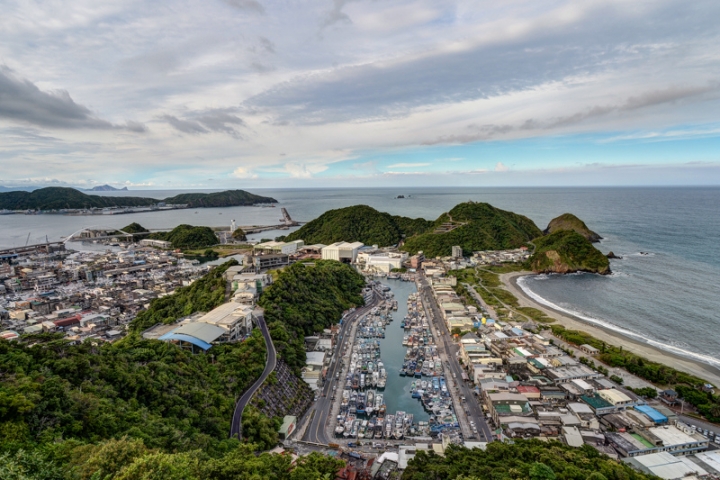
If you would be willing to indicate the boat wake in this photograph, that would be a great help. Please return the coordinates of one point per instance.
(707, 359)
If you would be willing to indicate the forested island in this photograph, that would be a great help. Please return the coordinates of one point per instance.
(64, 198)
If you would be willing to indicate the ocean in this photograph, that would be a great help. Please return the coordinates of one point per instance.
(668, 295)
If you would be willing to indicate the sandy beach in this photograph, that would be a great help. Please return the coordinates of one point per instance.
(650, 352)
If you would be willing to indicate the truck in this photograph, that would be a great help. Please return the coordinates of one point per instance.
(334, 446)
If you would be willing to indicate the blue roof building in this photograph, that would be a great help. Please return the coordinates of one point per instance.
(653, 414)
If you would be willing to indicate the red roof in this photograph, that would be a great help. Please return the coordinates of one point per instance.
(527, 389)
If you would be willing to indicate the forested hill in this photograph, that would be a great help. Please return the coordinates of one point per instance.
(524, 459)
(566, 251)
(228, 198)
(304, 299)
(474, 226)
(359, 223)
(58, 198)
(568, 221)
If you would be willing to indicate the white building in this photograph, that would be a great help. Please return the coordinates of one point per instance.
(457, 251)
(382, 262)
(342, 251)
(285, 248)
(147, 242)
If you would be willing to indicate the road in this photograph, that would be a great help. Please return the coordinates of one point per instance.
(321, 412)
(271, 362)
(471, 406)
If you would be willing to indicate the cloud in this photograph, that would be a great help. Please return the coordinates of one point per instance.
(212, 121)
(252, 6)
(647, 99)
(302, 170)
(243, 172)
(267, 45)
(185, 126)
(136, 127)
(499, 167)
(408, 165)
(336, 15)
(23, 101)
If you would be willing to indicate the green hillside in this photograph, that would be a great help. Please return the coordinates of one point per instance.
(566, 251)
(568, 221)
(359, 223)
(58, 198)
(306, 298)
(474, 226)
(187, 237)
(228, 198)
(134, 228)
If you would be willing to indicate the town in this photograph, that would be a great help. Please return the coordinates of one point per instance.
(472, 375)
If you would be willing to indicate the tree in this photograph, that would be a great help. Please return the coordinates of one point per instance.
(540, 471)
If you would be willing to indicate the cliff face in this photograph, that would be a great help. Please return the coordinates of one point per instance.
(568, 221)
(567, 251)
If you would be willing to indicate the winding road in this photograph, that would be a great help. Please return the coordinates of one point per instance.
(236, 426)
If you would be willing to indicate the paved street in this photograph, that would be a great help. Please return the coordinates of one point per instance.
(471, 407)
(236, 425)
(321, 415)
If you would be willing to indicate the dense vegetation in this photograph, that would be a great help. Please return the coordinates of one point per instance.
(187, 237)
(306, 298)
(202, 295)
(523, 460)
(358, 223)
(568, 221)
(131, 459)
(566, 251)
(475, 226)
(134, 228)
(228, 198)
(58, 198)
(53, 391)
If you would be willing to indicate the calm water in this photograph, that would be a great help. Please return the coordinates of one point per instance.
(397, 390)
(671, 296)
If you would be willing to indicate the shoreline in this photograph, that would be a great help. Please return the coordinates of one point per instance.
(650, 352)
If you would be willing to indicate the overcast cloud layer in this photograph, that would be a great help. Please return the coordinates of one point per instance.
(226, 93)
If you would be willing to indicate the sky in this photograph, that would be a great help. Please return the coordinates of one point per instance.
(325, 93)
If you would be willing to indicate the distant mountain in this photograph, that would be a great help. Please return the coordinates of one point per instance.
(58, 198)
(17, 189)
(106, 188)
(228, 198)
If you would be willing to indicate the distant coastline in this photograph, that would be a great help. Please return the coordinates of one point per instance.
(657, 353)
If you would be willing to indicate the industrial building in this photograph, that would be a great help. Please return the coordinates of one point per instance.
(286, 248)
(342, 251)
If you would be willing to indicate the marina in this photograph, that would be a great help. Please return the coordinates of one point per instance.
(395, 388)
